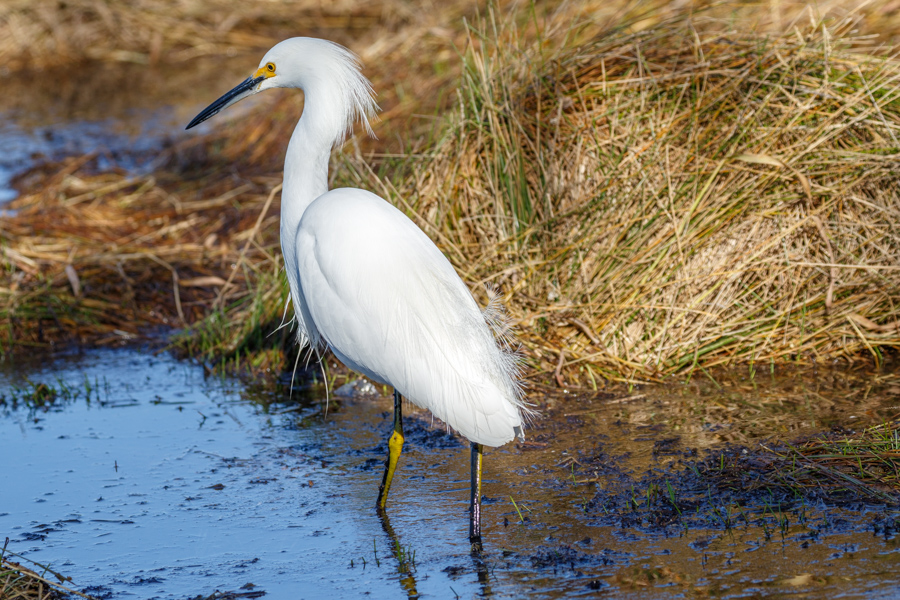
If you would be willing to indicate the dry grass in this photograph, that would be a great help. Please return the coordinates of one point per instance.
(862, 464)
(102, 250)
(102, 257)
(687, 195)
(620, 178)
(37, 34)
(837, 467)
(18, 582)
(48, 33)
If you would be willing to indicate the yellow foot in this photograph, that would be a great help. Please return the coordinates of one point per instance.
(395, 447)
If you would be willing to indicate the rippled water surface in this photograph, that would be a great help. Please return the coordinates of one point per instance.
(142, 478)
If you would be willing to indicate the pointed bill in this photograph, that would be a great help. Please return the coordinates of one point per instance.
(239, 92)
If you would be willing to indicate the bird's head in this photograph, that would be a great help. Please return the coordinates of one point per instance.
(319, 68)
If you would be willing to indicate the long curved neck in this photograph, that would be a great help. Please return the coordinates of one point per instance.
(305, 174)
(305, 179)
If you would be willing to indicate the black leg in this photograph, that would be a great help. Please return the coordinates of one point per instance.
(475, 499)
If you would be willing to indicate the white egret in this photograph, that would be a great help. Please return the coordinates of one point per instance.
(367, 283)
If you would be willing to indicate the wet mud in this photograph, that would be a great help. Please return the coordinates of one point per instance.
(139, 476)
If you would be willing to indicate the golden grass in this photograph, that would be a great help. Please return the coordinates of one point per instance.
(47, 33)
(101, 257)
(37, 34)
(686, 195)
(652, 191)
(18, 582)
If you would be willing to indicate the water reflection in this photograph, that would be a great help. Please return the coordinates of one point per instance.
(143, 477)
(406, 558)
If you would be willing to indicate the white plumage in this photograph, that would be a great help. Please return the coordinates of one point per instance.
(365, 281)
(401, 315)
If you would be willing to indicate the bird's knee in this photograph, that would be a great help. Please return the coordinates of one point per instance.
(395, 444)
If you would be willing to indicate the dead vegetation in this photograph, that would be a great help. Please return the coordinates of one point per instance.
(38, 34)
(653, 189)
(48, 33)
(864, 464)
(100, 257)
(18, 582)
(685, 195)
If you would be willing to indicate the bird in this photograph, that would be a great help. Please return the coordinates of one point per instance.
(368, 284)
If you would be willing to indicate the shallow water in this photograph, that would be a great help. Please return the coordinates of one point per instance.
(145, 479)
(123, 113)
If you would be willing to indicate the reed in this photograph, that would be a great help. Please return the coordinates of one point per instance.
(18, 582)
(687, 195)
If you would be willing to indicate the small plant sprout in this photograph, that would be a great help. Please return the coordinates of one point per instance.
(516, 506)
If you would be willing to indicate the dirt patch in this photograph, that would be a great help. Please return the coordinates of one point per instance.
(652, 479)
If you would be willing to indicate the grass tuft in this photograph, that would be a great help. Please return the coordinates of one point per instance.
(680, 197)
(18, 582)
(864, 464)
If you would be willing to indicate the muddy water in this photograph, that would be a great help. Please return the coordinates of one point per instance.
(141, 478)
(123, 113)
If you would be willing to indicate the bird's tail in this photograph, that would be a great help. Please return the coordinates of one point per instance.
(510, 356)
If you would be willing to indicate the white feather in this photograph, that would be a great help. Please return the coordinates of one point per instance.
(366, 281)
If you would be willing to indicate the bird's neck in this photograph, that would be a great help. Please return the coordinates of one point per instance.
(305, 174)
(305, 179)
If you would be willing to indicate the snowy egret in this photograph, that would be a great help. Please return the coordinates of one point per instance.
(367, 283)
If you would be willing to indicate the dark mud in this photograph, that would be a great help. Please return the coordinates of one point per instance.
(139, 477)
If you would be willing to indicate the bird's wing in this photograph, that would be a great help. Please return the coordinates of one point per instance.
(306, 330)
(391, 306)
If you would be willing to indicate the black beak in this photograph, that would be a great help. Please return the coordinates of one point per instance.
(239, 92)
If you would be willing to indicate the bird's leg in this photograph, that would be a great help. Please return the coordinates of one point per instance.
(395, 446)
(475, 503)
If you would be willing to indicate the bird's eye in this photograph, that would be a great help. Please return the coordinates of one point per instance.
(270, 67)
